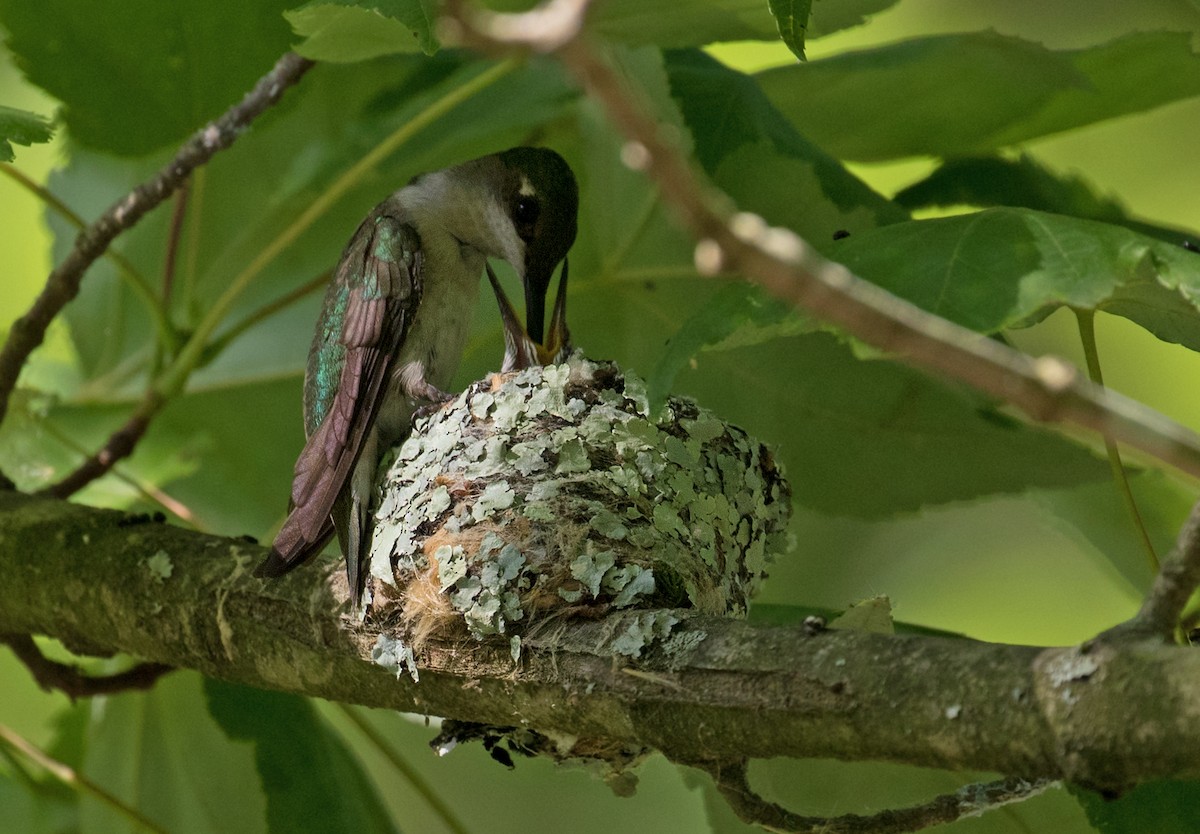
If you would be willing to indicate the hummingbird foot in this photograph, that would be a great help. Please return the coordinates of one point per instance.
(429, 409)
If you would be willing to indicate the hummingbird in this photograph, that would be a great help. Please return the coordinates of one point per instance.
(394, 323)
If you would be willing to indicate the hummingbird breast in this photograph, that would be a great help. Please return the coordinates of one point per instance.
(437, 337)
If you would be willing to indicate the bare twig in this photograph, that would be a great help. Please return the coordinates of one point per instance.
(178, 212)
(63, 284)
(1172, 588)
(1048, 389)
(52, 675)
(120, 444)
(971, 800)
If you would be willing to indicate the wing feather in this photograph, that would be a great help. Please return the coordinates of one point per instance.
(380, 282)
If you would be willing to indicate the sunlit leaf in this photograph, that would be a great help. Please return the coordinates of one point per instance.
(1095, 516)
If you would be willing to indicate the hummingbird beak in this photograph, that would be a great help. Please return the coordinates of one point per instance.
(521, 350)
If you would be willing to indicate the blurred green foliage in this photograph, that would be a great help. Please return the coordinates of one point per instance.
(1070, 122)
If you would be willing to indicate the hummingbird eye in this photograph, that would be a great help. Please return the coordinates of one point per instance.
(525, 215)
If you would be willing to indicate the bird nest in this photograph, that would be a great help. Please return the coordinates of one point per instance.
(555, 491)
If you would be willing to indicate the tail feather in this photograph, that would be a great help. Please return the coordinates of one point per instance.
(291, 549)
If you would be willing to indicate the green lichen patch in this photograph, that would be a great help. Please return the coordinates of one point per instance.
(395, 656)
(160, 565)
(553, 490)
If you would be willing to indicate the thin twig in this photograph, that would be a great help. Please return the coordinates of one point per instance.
(1172, 588)
(1086, 321)
(120, 444)
(1048, 389)
(73, 779)
(178, 213)
(52, 675)
(63, 284)
(971, 800)
(149, 491)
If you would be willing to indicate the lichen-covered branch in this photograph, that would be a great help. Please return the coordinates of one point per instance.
(103, 582)
(63, 284)
(1047, 389)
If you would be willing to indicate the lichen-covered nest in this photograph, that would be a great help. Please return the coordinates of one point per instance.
(553, 491)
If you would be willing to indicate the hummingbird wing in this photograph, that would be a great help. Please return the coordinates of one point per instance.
(368, 310)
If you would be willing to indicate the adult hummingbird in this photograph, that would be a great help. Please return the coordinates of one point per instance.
(394, 323)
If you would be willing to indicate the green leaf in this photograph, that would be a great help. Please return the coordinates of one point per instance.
(22, 127)
(964, 94)
(1164, 807)
(1007, 267)
(761, 161)
(1095, 517)
(874, 438)
(738, 315)
(1024, 182)
(829, 16)
(356, 31)
(872, 615)
(307, 773)
(161, 753)
(135, 76)
(791, 16)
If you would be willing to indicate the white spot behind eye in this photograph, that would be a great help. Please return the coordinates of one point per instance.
(527, 189)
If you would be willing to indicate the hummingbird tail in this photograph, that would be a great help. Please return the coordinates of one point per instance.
(291, 550)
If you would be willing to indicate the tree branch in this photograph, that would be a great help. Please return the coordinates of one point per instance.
(732, 782)
(120, 444)
(1047, 389)
(67, 679)
(63, 284)
(1172, 588)
(716, 690)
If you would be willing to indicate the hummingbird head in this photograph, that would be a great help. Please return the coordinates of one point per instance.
(519, 205)
(542, 200)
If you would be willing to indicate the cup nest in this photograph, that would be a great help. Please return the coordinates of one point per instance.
(554, 491)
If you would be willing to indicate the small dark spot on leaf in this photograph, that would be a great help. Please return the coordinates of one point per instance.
(841, 234)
